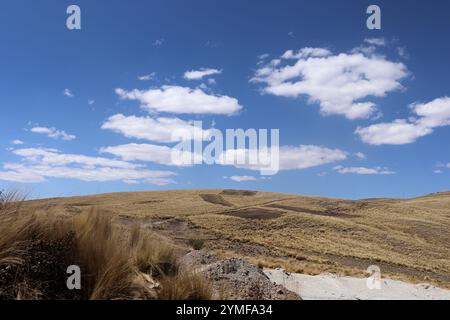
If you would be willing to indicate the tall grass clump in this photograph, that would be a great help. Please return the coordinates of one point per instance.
(37, 249)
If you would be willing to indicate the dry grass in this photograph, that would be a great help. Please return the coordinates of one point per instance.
(185, 286)
(152, 255)
(409, 239)
(36, 249)
(196, 244)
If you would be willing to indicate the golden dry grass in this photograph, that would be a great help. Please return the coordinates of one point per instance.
(409, 239)
(116, 263)
(185, 286)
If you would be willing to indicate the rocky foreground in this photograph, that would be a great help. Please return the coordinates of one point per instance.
(235, 279)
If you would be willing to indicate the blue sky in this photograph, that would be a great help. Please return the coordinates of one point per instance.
(362, 113)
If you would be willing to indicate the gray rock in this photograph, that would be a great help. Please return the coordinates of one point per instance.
(235, 279)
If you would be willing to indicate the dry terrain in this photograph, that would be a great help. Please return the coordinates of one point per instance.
(409, 239)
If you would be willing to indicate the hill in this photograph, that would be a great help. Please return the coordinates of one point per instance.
(409, 239)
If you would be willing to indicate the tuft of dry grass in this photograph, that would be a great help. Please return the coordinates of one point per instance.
(185, 286)
(153, 255)
(36, 250)
(102, 257)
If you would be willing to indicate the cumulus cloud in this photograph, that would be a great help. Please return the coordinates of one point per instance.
(427, 117)
(363, 170)
(339, 83)
(153, 129)
(53, 133)
(290, 157)
(38, 164)
(150, 153)
(308, 156)
(200, 74)
(182, 100)
(53, 157)
(242, 178)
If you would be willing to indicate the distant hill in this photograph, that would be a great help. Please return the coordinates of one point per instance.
(409, 239)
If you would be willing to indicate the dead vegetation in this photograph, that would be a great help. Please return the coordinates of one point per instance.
(37, 249)
(255, 214)
(408, 238)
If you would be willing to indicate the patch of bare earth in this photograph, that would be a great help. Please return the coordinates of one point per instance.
(326, 213)
(242, 193)
(255, 214)
(216, 199)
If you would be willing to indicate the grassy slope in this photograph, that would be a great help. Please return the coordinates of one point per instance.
(408, 239)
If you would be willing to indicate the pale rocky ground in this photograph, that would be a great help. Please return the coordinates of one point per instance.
(333, 287)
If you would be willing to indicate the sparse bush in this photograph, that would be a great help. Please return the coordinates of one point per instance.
(196, 244)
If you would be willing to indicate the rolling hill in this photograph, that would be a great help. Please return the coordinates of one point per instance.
(409, 239)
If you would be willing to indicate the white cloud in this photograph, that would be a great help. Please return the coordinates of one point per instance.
(290, 157)
(428, 116)
(242, 178)
(179, 100)
(68, 93)
(147, 77)
(338, 83)
(306, 53)
(53, 133)
(54, 158)
(148, 153)
(17, 142)
(200, 74)
(38, 164)
(381, 42)
(152, 129)
(365, 50)
(308, 156)
(360, 156)
(91, 102)
(363, 170)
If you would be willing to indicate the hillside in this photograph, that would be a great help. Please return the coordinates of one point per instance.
(408, 239)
